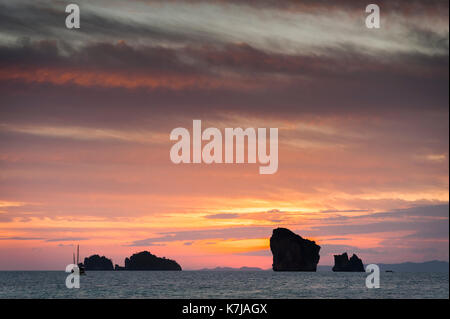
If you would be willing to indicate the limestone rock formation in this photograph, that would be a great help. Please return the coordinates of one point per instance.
(342, 263)
(95, 262)
(291, 252)
(147, 261)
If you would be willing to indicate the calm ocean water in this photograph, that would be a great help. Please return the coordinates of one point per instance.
(221, 284)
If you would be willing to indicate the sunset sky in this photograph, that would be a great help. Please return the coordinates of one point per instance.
(86, 115)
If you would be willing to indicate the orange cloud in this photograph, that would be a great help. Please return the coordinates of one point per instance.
(121, 80)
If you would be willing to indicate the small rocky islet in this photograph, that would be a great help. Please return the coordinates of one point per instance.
(343, 263)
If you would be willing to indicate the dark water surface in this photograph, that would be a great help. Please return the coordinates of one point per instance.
(221, 284)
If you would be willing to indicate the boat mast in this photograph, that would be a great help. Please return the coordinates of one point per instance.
(78, 254)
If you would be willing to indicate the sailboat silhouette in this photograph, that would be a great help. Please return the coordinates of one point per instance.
(80, 265)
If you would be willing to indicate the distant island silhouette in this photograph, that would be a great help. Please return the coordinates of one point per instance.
(95, 262)
(291, 252)
(426, 266)
(143, 260)
(147, 261)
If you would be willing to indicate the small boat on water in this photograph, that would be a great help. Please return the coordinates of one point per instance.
(80, 265)
(389, 271)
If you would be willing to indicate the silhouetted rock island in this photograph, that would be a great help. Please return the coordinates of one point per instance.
(95, 262)
(147, 261)
(291, 252)
(342, 263)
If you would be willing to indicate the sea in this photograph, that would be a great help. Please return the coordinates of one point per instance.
(222, 285)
